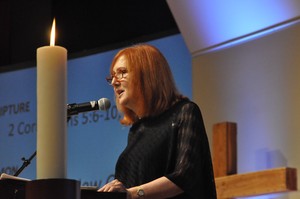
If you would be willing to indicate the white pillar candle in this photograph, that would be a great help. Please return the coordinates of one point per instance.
(51, 112)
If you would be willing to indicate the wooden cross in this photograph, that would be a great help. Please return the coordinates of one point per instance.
(229, 184)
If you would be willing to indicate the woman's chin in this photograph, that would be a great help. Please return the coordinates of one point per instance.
(122, 100)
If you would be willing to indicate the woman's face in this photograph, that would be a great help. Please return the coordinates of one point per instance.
(121, 83)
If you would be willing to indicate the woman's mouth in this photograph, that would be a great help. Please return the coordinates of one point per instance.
(120, 92)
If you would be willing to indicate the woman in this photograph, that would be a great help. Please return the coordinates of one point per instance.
(167, 154)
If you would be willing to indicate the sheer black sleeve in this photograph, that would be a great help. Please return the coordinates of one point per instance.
(193, 168)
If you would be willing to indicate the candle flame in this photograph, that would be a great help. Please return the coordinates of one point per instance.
(52, 37)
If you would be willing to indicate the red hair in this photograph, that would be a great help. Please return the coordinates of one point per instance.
(153, 81)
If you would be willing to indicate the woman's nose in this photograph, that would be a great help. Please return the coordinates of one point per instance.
(114, 81)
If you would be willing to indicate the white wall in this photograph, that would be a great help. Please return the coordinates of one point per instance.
(256, 85)
(207, 24)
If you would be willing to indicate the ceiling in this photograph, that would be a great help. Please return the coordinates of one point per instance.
(82, 26)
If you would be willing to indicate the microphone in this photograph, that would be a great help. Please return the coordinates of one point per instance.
(102, 104)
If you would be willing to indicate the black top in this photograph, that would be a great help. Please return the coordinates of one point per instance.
(173, 144)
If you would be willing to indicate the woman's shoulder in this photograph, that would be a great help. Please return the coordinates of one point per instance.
(186, 109)
(181, 107)
(185, 103)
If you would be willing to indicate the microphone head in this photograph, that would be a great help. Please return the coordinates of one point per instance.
(103, 104)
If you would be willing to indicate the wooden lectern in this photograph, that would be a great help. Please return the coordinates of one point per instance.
(12, 189)
(49, 189)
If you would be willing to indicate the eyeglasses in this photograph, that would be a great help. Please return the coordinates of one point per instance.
(120, 74)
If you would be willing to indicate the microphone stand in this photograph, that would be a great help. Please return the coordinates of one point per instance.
(27, 162)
